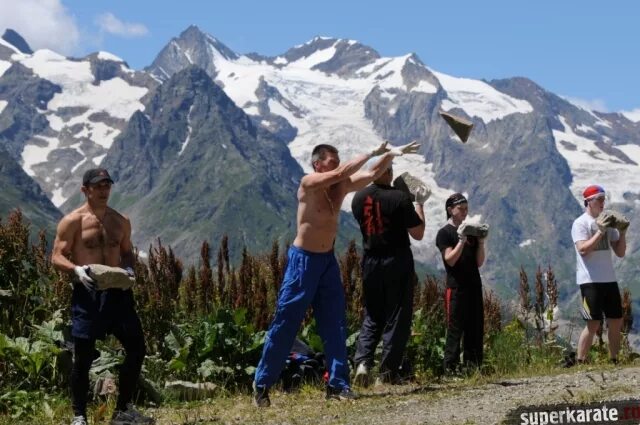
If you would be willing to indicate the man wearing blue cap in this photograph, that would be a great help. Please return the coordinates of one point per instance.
(595, 234)
(98, 235)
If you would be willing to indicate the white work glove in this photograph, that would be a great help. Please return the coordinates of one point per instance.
(82, 273)
(131, 274)
(620, 222)
(405, 149)
(422, 193)
(379, 150)
(604, 221)
(461, 235)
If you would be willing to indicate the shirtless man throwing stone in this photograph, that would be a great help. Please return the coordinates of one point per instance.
(312, 276)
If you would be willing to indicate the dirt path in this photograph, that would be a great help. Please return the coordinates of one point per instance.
(442, 403)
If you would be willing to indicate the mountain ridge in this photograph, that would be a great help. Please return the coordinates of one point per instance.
(523, 168)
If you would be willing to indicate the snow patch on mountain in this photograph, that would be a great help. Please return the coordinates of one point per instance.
(4, 65)
(590, 165)
(57, 68)
(479, 99)
(315, 58)
(3, 104)
(586, 128)
(526, 243)
(35, 154)
(277, 108)
(186, 141)
(632, 151)
(386, 73)
(114, 96)
(56, 197)
(109, 56)
(8, 45)
(97, 160)
(98, 133)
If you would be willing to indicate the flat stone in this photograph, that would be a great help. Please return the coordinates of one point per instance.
(107, 277)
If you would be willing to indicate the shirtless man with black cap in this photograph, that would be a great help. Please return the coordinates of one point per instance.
(97, 234)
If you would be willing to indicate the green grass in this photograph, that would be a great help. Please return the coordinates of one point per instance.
(308, 406)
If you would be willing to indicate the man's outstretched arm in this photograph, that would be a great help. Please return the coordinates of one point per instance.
(342, 172)
(362, 178)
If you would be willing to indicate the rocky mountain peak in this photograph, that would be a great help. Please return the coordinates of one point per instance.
(191, 47)
(194, 37)
(194, 159)
(16, 40)
(342, 57)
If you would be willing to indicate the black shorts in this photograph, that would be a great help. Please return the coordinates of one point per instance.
(94, 314)
(600, 300)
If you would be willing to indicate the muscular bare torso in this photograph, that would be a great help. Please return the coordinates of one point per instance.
(98, 242)
(85, 238)
(318, 212)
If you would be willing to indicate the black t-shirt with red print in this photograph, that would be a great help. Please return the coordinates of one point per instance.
(384, 214)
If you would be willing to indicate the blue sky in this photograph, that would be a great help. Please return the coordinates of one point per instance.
(585, 50)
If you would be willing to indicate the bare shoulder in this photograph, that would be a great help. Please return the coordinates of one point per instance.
(122, 219)
(306, 179)
(303, 190)
(71, 220)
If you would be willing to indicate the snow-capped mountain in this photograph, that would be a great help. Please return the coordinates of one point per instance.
(76, 108)
(529, 157)
(530, 154)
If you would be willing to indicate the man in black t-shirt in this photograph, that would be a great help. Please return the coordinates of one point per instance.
(387, 217)
(462, 256)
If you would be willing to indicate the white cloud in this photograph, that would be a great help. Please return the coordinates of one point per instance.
(633, 115)
(42, 23)
(109, 23)
(588, 104)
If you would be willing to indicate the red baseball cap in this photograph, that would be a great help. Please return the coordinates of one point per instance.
(592, 192)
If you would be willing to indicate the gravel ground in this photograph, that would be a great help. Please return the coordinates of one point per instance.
(447, 402)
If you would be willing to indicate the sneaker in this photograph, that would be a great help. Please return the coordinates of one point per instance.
(569, 360)
(79, 420)
(340, 394)
(261, 396)
(130, 417)
(363, 377)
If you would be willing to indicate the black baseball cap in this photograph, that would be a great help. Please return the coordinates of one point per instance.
(96, 175)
